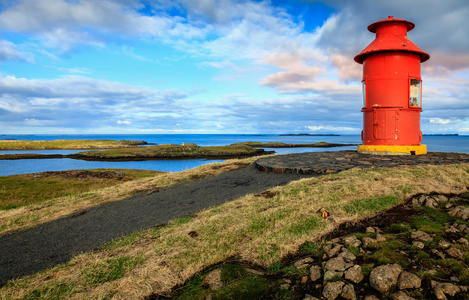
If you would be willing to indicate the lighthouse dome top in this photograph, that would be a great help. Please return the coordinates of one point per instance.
(372, 27)
(391, 36)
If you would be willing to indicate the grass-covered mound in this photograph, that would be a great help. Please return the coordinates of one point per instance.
(26, 189)
(171, 151)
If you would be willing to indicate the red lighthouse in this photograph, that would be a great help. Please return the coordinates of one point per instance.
(392, 90)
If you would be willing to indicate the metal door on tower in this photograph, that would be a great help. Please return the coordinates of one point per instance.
(385, 124)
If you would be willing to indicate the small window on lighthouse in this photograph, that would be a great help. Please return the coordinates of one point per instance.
(364, 93)
(415, 93)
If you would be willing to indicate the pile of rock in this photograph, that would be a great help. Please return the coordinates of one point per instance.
(340, 276)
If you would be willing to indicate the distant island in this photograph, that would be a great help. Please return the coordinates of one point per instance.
(309, 134)
(442, 134)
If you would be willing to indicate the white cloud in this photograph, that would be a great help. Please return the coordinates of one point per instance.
(76, 101)
(441, 121)
(9, 51)
(332, 129)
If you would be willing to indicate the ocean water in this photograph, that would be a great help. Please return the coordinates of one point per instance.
(12, 167)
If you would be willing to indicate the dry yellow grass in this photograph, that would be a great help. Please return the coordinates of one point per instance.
(254, 229)
(32, 215)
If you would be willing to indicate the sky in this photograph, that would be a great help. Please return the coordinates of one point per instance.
(215, 66)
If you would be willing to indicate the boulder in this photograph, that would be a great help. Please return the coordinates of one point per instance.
(384, 278)
(331, 249)
(332, 275)
(452, 229)
(315, 273)
(438, 253)
(347, 255)
(442, 289)
(337, 264)
(354, 274)
(462, 227)
(352, 241)
(408, 281)
(309, 297)
(303, 263)
(418, 244)
(401, 295)
(444, 244)
(454, 252)
(368, 242)
(348, 292)
(459, 212)
(420, 236)
(380, 237)
(332, 290)
(441, 198)
(431, 202)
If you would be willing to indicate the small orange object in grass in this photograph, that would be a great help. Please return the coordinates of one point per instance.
(325, 214)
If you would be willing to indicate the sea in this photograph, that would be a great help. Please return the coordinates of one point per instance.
(442, 143)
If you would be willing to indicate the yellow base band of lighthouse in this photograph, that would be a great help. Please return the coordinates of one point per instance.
(392, 150)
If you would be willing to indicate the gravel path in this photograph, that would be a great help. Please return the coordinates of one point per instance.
(29, 251)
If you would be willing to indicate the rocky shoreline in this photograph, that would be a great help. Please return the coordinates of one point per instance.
(405, 253)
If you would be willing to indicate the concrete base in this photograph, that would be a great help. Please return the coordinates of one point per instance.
(392, 150)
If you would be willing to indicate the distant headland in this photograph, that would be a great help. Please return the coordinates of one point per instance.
(309, 134)
(441, 134)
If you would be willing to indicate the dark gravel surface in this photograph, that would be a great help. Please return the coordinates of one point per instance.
(29, 251)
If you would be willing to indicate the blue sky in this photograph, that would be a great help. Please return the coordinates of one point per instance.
(215, 66)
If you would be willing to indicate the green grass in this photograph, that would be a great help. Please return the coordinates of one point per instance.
(52, 290)
(231, 272)
(431, 220)
(371, 204)
(311, 249)
(21, 190)
(400, 228)
(121, 242)
(110, 270)
(305, 225)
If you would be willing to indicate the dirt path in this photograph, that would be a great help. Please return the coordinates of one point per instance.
(44, 246)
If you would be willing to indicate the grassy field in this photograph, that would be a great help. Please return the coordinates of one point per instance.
(259, 230)
(21, 190)
(66, 144)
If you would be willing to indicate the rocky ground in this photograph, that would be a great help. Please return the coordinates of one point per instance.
(415, 251)
(336, 161)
